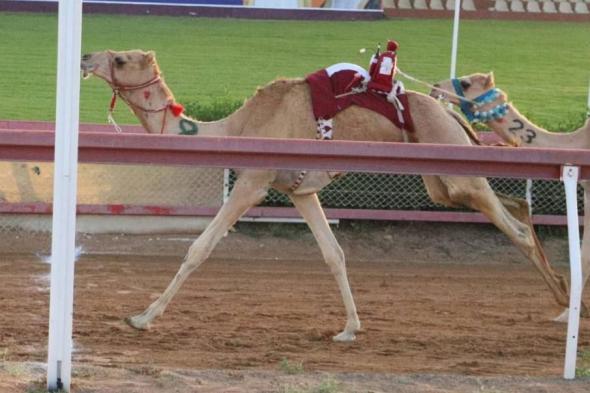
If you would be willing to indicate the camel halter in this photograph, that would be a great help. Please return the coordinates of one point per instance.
(489, 96)
(117, 88)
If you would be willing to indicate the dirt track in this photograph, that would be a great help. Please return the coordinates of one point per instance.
(262, 299)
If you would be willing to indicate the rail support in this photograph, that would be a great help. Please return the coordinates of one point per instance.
(569, 176)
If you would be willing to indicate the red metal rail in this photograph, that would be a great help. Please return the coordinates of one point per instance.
(235, 152)
(20, 142)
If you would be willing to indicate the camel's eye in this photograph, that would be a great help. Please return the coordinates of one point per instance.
(119, 61)
(465, 84)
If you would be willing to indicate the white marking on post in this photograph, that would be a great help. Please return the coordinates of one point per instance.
(569, 177)
(59, 356)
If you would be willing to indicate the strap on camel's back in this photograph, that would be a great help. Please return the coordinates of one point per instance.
(465, 126)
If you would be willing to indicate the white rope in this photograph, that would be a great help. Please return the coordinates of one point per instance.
(112, 121)
(433, 87)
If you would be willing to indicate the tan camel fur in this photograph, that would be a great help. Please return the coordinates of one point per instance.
(517, 130)
(282, 109)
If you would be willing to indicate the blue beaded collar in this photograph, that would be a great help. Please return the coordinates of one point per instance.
(491, 95)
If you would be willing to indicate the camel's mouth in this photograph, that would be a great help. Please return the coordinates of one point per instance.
(438, 94)
(441, 96)
(87, 70)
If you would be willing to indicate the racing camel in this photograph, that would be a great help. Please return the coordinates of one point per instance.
(504, 119)
(283, 109)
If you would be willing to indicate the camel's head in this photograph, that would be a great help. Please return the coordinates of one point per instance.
(126, 68)
(470, 87)
(484, 102)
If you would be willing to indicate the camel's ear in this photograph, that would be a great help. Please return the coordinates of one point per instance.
(150, 57)
(489, 82)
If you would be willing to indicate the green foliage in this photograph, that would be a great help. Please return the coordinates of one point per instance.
(583, 369)
(216, 56)
(215, 110)
(291, 368)
(326, 386)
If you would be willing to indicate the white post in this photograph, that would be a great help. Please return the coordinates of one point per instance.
(529, 195)
(569, 176)
(59, 356)
(455, 39)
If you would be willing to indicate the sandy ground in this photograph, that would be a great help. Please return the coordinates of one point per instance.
(444, 308)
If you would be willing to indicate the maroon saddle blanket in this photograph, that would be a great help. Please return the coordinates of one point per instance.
(329, 88)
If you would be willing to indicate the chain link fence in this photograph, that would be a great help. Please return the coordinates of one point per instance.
(407, 192)
(31, 182)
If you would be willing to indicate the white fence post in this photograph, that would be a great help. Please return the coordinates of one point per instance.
(529, 195)
(569, 176)
(455, 38)
(59, 352)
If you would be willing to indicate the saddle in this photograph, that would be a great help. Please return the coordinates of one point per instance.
(339, 86)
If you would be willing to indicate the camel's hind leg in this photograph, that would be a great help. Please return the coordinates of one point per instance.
(507, 214)
(249, 189)
(311, 210)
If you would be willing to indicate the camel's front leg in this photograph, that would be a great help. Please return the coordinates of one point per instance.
(563, 317)
(511, 216)
(311, 210)
(250, 189)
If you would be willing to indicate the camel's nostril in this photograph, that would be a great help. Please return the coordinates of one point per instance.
(86, 57)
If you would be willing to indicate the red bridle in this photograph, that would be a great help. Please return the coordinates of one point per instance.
(117, 88)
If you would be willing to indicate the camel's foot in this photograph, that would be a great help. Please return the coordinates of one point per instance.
(139, 322)
(348, 334)
(563, 317)
(344, 337)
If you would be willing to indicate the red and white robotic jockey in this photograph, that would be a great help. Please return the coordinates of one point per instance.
(382, 69)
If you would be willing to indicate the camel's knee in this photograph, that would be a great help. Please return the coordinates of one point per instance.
(439, 197)
(334, 258)
(460, 196)
(196, 254)
(437, 191)
(471, 192)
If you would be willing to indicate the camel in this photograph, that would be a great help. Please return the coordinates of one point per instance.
(516, 130)
(283, 109)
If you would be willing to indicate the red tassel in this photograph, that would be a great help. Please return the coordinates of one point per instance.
(176, 109)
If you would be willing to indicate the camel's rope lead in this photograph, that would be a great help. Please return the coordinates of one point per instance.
(410, 77)
(112, 121)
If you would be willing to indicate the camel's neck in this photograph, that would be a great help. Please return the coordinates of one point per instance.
(151, 106)
(522, 132)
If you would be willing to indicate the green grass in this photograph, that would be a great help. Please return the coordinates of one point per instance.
(291, 368)
(325, 386)
(583, 366)
(543, 65)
